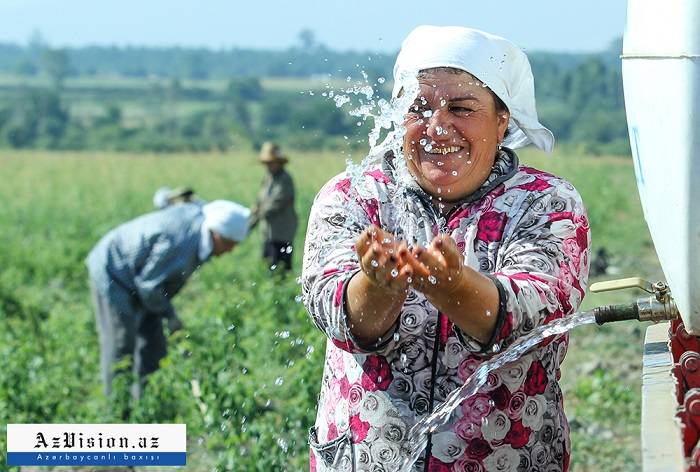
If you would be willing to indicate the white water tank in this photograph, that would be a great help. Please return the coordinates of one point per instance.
(661, 76)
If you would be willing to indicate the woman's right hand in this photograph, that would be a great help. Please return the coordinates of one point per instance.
(384, 260)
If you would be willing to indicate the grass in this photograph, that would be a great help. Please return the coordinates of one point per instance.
(55, 206)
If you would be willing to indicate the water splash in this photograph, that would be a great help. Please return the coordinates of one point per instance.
(417, 437)
(386, 136)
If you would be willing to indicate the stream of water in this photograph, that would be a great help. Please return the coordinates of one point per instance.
(417, 437)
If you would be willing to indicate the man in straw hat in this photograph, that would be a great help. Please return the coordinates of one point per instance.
(274, 209)
(137, 268)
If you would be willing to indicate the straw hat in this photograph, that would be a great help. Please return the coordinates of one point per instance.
(270, 152)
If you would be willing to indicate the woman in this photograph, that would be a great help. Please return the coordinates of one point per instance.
(416, 284)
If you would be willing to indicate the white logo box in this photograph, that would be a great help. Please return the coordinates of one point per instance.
(97, 437)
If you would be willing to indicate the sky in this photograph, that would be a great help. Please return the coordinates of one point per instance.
(366, 25)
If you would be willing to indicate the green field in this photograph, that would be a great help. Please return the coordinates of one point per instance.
(247, 341)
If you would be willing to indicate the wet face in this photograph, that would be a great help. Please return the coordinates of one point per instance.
(221, 244)
(452, 134)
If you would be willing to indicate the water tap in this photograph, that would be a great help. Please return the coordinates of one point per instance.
(658, 307)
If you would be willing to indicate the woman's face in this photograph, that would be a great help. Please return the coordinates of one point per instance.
(452, 134)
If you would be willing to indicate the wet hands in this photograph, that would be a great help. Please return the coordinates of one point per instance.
(435, 270)
(384, 260)
(438, 268)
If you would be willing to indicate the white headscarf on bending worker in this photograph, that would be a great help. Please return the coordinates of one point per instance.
(495, 61)
(228, 219)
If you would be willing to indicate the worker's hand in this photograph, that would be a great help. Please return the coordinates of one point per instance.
(383, 260)
(174, 324)
(438, 268)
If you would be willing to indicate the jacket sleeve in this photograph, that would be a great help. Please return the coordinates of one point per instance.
(542, 271)
(162, 264)
(281, 194)
(330, 261)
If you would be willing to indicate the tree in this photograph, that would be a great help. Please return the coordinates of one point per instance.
(36, 45)
(39, 119)
(56, 66)
(307, 40)
(245, 88)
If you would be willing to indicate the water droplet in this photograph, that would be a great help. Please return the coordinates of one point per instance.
(374, 263)
(231, 327)
(279, 381)
(454, 172)
(443, 102)
(432, 279)
(282, 444)
(396, 336)
(488, 312)
(381, 80)
(428, 113)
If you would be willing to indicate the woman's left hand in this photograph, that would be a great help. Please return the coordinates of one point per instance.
(438, 268)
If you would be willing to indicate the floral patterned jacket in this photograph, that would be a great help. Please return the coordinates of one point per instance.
(526, 229)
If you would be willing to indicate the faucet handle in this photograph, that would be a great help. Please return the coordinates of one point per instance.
(619, 284)
(659, 289)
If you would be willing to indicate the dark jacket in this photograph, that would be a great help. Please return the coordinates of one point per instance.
(274, 209)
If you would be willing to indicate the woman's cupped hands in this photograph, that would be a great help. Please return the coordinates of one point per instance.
(389, 263)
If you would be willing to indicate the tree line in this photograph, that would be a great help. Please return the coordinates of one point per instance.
(579, 97)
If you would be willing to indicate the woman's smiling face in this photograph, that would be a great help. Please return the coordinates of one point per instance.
(452, 133)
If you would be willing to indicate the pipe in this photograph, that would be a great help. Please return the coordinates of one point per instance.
(621, 312)
(644, 309)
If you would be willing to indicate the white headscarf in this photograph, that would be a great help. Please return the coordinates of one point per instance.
(228, 219)
(161, 197)
(495, 61)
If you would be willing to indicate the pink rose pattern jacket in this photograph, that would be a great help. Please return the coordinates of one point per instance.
(527, 230)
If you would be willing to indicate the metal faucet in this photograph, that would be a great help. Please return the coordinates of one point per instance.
(658, 307)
